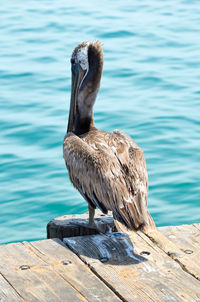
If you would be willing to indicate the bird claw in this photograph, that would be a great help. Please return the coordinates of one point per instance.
(92, 224)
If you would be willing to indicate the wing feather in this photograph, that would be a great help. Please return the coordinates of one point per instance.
(110, 168)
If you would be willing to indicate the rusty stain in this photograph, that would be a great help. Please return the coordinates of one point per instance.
(81, 297)
(41, 269)
(197, 238)
(125, 274)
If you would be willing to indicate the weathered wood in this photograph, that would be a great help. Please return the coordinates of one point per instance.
(147, 274)
(72, 269)
(160, 266)
(77, 225)
(197, 225)
(38, 280)
(187, 238)
(177, 249)
(7, 292)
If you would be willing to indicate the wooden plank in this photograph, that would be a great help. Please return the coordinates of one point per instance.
(176, 249)
(72, 269)
(197, 225)
(77, 225)
(186, 237)
(145, 274)
(7, 292)
(33, 278)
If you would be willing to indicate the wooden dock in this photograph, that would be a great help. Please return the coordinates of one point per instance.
(85, 265)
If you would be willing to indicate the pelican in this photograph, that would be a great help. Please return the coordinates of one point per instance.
(108, 169)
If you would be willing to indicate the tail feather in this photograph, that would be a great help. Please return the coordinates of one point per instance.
(125, 227)
(120, 226)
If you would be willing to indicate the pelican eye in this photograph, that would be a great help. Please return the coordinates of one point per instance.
(72, 61)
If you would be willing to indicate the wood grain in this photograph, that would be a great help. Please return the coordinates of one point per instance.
(7, 292)
(159, 266)
(77, 225)
(181, 243)
(144, 273)
(72, 269)
(38, 280)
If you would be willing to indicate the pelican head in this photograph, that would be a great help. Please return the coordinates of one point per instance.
(86, 67)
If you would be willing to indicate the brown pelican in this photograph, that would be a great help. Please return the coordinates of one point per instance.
(108, 169)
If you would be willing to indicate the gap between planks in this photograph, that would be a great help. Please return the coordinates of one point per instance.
(77, 225)
(162, 245)
(38, 254)
(7, 287)
(176, 241)
(74, 282)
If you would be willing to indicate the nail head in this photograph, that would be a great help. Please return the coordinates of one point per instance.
(66, 262)
(188, 251)
(24, 267)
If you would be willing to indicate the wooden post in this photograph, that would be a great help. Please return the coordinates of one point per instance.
(77, 225)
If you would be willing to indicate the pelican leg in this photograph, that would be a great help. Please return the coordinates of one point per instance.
(91, 215)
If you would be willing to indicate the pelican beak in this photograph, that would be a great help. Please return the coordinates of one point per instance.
(77, 76)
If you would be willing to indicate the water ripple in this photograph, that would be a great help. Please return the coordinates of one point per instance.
(150, 89)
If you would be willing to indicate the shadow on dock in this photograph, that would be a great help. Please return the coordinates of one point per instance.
(111, 248)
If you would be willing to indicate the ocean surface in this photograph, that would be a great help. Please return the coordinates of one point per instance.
(150, 89)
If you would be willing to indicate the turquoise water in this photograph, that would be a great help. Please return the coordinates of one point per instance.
(150, 89)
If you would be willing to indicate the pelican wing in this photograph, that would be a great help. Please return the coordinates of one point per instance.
(109, 170)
